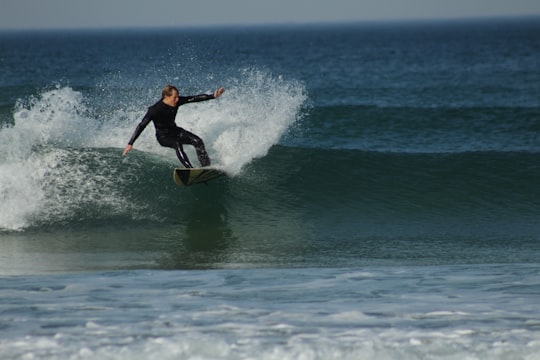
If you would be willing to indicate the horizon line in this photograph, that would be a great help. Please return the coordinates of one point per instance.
(277, 23)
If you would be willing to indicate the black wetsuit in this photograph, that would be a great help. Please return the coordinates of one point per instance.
(170, 135)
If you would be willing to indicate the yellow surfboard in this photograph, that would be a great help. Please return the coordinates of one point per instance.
(186, 177)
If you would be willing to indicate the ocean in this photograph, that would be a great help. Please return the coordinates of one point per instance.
(382, 198)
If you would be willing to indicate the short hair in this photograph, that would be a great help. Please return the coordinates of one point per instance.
(168, 91)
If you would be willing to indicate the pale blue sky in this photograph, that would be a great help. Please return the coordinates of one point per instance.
(47, 14)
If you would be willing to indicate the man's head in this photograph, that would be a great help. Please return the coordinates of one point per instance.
(169, 95)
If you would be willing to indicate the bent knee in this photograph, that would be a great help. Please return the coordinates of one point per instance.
(197, 142)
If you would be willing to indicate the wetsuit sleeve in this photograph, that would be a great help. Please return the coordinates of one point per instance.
(140, 128)
(194, 98)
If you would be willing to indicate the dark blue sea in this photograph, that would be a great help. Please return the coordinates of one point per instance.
(382, 198)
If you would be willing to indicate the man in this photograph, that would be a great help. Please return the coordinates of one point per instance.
(163, 114)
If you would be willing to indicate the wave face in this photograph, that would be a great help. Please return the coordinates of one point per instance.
(61, 163)
(334, 133)
(60, 159)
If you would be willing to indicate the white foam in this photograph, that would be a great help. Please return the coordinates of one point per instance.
(266, 314)
(44, 154)
(247, 343)
(254, 113)
(19, 195)
(38, 168)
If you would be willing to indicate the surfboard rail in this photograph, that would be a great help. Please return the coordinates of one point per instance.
(188, 177)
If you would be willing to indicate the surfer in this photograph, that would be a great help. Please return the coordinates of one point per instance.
(168, 134)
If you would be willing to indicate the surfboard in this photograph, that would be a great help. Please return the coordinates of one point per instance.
(187, 177)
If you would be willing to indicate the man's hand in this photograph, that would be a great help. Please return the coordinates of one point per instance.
(127, 149)
(218, 92)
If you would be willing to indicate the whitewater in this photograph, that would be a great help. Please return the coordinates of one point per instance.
(58, 155)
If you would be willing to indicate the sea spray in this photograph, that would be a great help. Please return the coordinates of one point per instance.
(42, 175)
(38, 122)
(59, 159)
(254, 113)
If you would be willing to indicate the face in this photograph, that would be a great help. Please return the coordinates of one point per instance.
(171, 100)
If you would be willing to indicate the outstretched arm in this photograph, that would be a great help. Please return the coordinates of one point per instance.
(202, 97)
(136, 133)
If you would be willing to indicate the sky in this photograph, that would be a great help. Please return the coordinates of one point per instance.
(95, 14)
